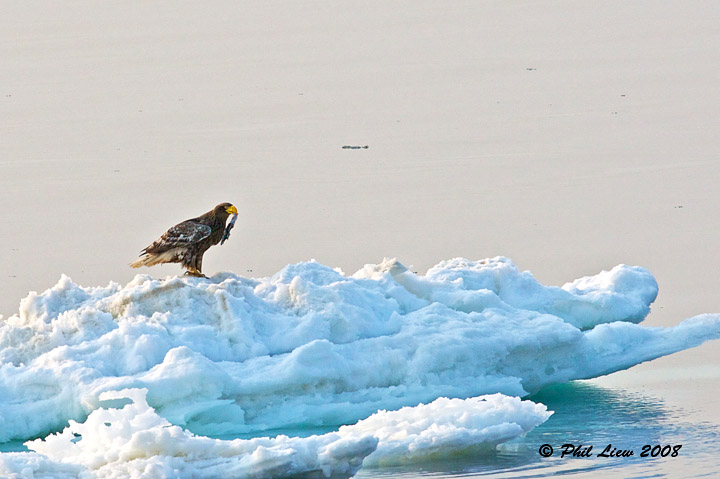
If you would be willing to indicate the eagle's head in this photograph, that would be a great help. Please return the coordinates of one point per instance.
(223, 210)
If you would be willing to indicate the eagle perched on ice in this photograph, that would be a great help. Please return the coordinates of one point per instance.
(186, 242)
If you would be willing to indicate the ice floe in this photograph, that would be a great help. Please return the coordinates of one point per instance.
(313, 347)
(132, 441)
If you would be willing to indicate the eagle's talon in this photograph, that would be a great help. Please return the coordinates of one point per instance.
(195, 274)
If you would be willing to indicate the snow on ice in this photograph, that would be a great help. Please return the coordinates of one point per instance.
(308, 347)
(133, 441)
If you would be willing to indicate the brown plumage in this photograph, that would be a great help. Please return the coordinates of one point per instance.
(186, 242)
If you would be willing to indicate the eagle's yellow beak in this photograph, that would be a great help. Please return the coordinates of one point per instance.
(231, 210)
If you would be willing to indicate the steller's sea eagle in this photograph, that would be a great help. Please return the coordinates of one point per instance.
(186, 242)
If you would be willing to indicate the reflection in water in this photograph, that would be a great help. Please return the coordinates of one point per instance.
(588, 415)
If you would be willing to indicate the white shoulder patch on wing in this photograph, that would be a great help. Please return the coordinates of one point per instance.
(187, 232)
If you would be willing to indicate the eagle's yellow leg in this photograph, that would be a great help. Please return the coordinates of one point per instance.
(194, 272)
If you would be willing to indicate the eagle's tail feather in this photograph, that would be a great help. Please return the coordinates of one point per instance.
(145, 260)
(151, 259)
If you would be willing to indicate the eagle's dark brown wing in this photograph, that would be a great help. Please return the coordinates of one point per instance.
(181, 235)
(178, 244)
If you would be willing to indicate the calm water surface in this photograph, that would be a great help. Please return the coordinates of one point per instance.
(589, 415)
